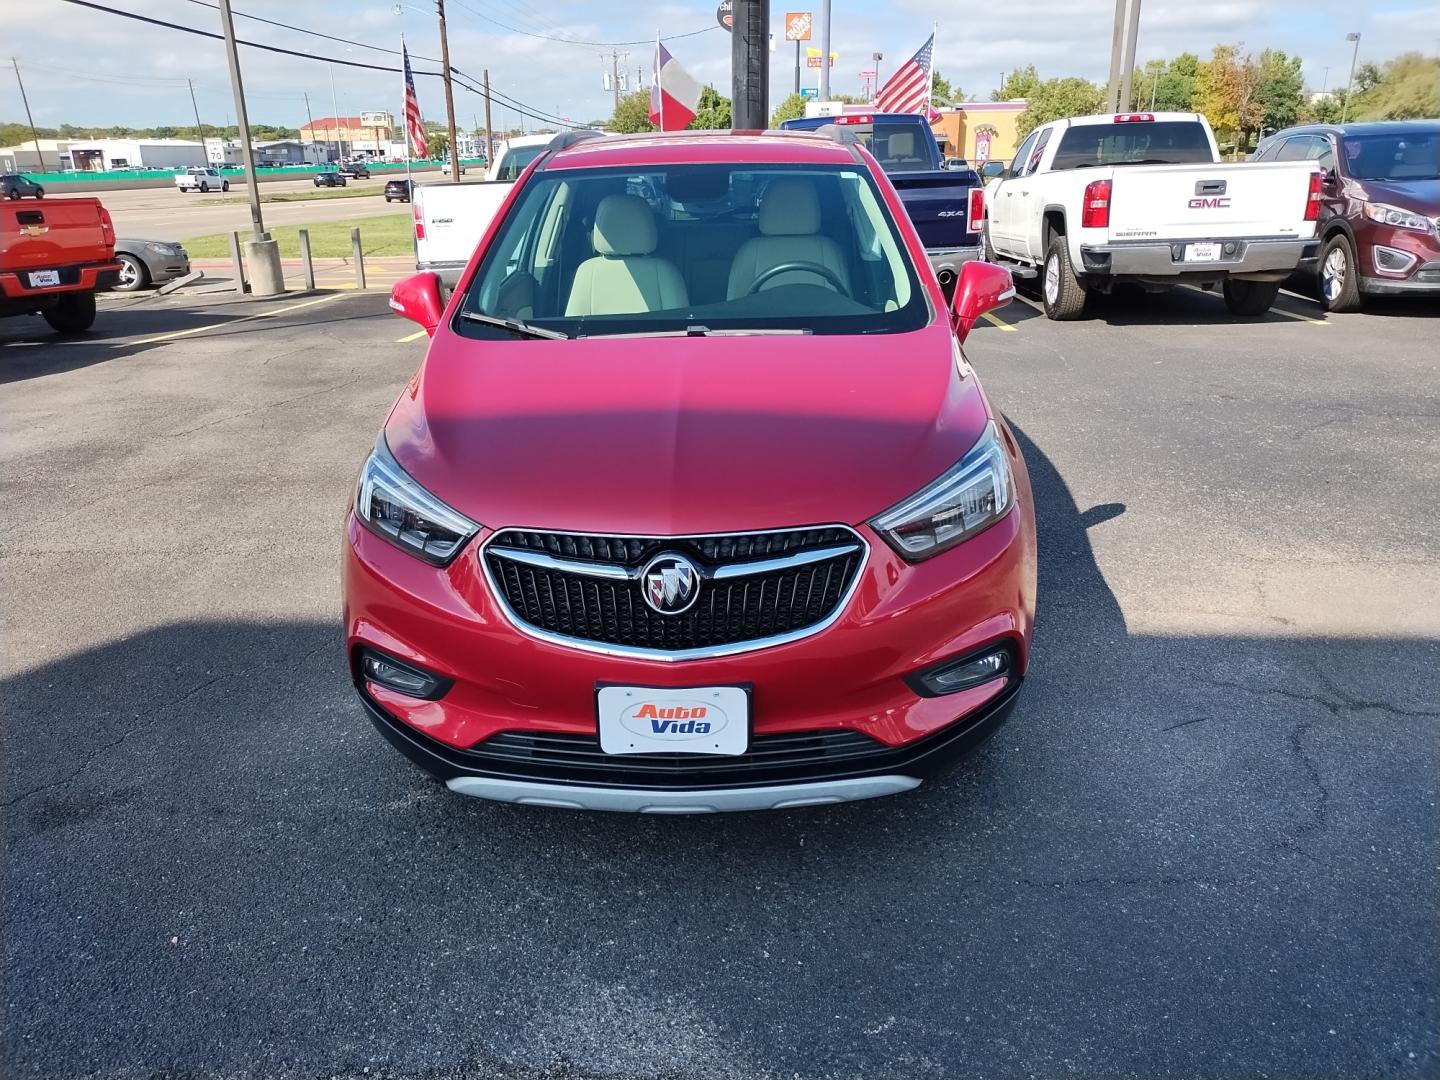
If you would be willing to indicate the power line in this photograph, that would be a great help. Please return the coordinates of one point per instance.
(316, 33)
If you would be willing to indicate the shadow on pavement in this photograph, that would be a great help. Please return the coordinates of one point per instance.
(1201, 856)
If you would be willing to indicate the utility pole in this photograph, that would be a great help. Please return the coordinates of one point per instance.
(262, 253)
(824, 49)
(335, 111)
(449, 92)
(1350, 84)
(750, 65)
(310, 117)
(33, 133)
(199, 127)
(615, 78)
(1117, 54)
(1127, 73)
(489, 131)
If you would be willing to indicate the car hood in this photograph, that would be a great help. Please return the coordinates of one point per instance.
(1417, 196)
(684, 435)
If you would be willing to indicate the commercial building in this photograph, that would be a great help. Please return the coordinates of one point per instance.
(367, 135)
(979, 131)
(103, 155)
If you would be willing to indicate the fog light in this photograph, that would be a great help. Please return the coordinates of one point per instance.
(962, 674)
(401, 677)
(1391, 260)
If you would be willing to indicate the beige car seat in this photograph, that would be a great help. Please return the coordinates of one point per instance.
(625, 276)
(789, 221)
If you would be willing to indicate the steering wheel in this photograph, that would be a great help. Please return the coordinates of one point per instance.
(807, 267)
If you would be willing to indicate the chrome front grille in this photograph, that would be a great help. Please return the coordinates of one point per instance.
(754, 589)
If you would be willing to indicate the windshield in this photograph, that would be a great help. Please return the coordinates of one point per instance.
(1408, 155)
(696, 249)
(513, 163)
(1141, 142)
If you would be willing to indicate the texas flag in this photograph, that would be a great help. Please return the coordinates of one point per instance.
(675, 95)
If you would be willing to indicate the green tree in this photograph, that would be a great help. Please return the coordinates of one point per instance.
(1058, 98)
(1225, 93)
(1279, 90)
(712, 113)
(632, 114)
(944, 93)
(1020, 83)
(1170, 86)
(792, 108)
(1406, 88)
(437, 143)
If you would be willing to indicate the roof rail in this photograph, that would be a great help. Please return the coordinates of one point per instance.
(567, 139)
(836, 133)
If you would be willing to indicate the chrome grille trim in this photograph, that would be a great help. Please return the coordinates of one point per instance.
(497, 592)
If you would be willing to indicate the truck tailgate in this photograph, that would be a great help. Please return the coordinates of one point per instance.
(451, 218)
(53, 232)
(1220, 201)
(938, 204)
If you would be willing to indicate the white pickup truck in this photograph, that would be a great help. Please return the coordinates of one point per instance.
(202, 180)
(1143, 197)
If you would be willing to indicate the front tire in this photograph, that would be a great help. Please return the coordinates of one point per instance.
(39, 192)
(1062, 291)
(225, 186)
(1250, 298)
(133, 275)
(73, 313)
(205, 189)
(1339, 278)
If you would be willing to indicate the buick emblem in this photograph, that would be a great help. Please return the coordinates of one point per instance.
(670, 584)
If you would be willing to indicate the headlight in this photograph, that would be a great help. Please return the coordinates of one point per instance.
(162, 249)
(968, 498)
(1393, 215)
(392, 505)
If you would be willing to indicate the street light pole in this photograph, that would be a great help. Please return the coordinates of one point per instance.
(33, 133)
(1350, 84)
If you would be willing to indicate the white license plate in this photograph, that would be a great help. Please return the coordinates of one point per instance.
(695, 720)
(41, 278)
(1202, 252)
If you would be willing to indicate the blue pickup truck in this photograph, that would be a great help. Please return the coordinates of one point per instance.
(946, 205)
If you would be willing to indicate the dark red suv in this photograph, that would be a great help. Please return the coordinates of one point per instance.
(1380, 218)
(695, 503)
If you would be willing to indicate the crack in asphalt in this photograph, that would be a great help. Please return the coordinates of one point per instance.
(138, 725)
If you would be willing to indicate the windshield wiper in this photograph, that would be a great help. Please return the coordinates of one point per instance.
(514, 325)
(702, 331)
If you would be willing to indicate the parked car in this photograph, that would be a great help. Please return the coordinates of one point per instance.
(946, 204)
(201, 180)
(514, 154)
(15, 186)
(149, 262)
(728, 560)
(449, 218)
(398, 190)
(357, 170)
(1094, 201)
(53, 259)
(333, 178)
(1379, 207)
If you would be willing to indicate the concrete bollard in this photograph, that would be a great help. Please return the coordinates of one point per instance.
(307, 264)
(359, 258)
(263, 258)
(236, 262)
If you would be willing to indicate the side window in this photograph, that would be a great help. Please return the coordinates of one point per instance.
(1023, 154)
(1267, 152)
(1038, 152)
(1323, 153)
(1296, 148)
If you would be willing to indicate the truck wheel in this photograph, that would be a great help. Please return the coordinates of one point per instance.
(1064, 294)
(204, 187)
(133, 275)
(1339, 279)
(225, 185)
(1250, 297)
(72, 313)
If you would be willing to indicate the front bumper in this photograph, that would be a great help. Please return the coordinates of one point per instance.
(1166, 258)
(1425, 281)
(841, 691)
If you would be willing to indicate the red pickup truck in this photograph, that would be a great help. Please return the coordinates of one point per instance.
(54, 257)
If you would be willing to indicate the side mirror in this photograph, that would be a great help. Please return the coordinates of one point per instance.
(1006, 172)
(982, 287)
(1330, 178)
(417, 297)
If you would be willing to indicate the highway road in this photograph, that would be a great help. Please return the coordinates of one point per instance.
(167, 214)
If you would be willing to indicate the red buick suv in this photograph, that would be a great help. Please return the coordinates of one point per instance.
(695, 503)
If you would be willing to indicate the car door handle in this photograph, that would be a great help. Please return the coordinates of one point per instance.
(1008, 194)
(1024, 193)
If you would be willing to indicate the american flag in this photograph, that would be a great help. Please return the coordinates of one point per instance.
(413, 123)
(908, 90)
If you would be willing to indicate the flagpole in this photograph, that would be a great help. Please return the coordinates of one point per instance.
(405, 115)
(659, 85)
(930, 82)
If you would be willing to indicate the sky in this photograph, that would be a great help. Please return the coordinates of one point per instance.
(89, 67)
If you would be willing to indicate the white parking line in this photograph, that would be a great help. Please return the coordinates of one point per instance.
(231, 322)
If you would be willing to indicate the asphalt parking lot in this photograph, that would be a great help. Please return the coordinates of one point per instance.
(1206, 845)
